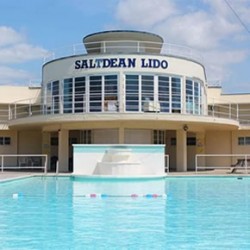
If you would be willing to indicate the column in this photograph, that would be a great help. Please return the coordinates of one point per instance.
(63, 150)
(181, 150)
(121, 135)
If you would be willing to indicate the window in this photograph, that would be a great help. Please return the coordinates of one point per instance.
(173, 141)
(80, 92)
(95, 93)
(55, 97)
(86, 137)
(197, 98)
(189, 97)
(147, 89)
(110, 93)
(67, 95)
(191, 141)
(163, 93)
(48, 98)
(54, 141)
(244, 140)
(159, 137)
(193, 97)
(176, 94)
(132, 93)
(72, 141)
(5, 140)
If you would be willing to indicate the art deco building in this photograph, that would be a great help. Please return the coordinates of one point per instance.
(124, 87)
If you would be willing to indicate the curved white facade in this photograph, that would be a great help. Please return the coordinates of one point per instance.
(90, 83)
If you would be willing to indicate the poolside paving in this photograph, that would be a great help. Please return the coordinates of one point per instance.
(13, 175)
(10, 175)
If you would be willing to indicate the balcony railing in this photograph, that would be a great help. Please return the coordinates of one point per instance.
(125, 47)
(65, 105)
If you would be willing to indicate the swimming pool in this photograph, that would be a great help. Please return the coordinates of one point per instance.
(70, 213)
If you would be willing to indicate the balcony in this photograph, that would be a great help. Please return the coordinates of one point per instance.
(59, 105)
(125, 47)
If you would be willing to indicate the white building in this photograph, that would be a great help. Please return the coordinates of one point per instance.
(127, 88)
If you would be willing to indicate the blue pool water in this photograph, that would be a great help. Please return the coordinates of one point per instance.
(54, 213)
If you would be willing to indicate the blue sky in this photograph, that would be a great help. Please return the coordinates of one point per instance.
(30, 29)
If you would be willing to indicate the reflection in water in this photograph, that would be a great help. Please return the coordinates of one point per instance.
(116, 187)
(198, 213)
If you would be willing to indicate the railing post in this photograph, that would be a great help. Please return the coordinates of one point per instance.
(2, 163)
(246, 164)
(57, 167)
(15, 111)
(237, 110)
(104, 47)
(196, 156)
(9, 112)
(30, 113)
(168, 163)
(138, 47)
(213, 110)
(45, 164)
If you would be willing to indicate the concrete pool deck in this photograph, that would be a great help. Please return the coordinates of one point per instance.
(12, 175)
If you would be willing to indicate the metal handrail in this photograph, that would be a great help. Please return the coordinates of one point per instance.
(81, 103)
(244, 157)
(126, 47)
(28, 165)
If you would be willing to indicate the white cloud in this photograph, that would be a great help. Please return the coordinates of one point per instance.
(198, 30)
(9, 36)
(10, 75)
(226, 57)
(218, 62)
(14, 49)
(144, 13)
(209, 26)
(20, 53)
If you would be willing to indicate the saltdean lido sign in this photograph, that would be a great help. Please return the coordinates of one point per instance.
(120, 63)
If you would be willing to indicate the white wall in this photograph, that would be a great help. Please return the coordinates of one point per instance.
(64, 68)
(142, 160)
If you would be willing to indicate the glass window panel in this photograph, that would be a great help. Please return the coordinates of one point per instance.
(80, 92)
(95, 93)
(132, 93)
(54, 141)
(189, 97)
(67, 95)
(48, 98)
(7, 140)
(176, 94)
(147, 91)
(196, 97)
(247, 140)
(110, 93)
(191, 141)
(241, 141)
(163, 93)
(173, 141)
(159, 137)
(55, 96)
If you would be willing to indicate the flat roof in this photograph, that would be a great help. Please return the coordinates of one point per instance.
(123, 35)
(147, 42)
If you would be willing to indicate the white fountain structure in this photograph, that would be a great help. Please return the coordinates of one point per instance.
(118, 161)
